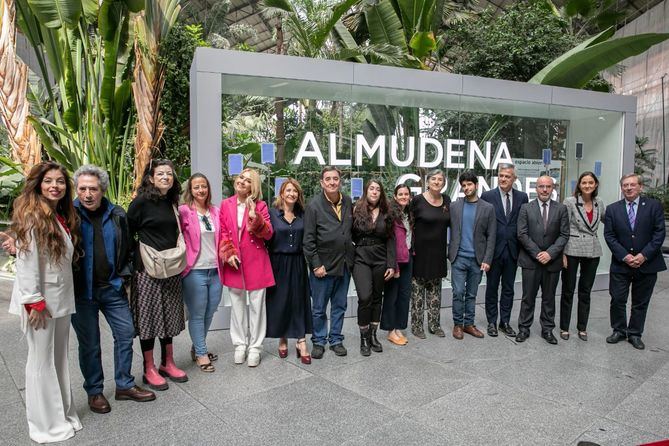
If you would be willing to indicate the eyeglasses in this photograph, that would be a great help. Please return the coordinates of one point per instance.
(207, 223)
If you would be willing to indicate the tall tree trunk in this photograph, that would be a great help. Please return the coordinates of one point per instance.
(279, 105)
(14, 106)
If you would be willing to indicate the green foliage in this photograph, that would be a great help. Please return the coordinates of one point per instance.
(82, 49)
(176, 55)
(514, 45)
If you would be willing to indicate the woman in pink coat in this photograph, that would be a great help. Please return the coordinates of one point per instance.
(245, 226)
(201, 279)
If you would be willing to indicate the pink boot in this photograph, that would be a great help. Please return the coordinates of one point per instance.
(151, 376)
(169, 369)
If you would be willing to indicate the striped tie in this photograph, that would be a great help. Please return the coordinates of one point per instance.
(632, 215)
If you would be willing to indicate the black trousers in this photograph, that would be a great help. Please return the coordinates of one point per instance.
(395, 313)
(503, 269)
(585, 282)
(642, 290)
(533, 279)
(369, 285)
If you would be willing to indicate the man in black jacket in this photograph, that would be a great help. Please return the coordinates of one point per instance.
(99, 280)
(329, 251)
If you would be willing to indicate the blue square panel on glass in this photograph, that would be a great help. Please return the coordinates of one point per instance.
(598, 168)
(278, 181)
(547, 156)
(267, 153)
(235, 163)
(356, 188)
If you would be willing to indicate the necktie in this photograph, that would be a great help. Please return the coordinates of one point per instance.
(632, 215)
(508, 206)
(544, 215)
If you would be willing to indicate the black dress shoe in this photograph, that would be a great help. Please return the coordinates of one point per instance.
(636, 342)
(507, 330)
(522, 336)
(615, 338)
(317, 351)
(548, 336)
(492, 330)
(338, 350)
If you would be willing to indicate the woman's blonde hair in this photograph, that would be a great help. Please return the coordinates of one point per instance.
(33, 217)
(256, 189)
(299, 204)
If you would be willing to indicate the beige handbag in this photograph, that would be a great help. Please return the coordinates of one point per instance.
(165, 263)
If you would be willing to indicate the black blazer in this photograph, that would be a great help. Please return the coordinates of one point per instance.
(533, 239)
(327, 240)
(646, 238)
(506, 229)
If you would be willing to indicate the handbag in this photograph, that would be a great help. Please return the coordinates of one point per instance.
(165, 263)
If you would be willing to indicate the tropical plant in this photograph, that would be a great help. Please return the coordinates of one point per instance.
(151, 27)
(82, 51)
(14, 105)
(586, 16)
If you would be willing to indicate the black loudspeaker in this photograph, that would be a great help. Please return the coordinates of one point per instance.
(579, 150)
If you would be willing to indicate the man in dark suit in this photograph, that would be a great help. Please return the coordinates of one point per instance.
(543, 232)
(634, 230)
(328, 249)
(470, 252)
(507, 202)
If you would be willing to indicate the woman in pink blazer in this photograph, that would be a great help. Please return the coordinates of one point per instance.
(245, 226)
(201, 279)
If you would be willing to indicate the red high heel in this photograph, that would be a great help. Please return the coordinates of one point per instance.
(304, 359)
(283, 353)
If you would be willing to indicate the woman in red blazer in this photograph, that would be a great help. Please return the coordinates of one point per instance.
(202, 277)
(245, 226)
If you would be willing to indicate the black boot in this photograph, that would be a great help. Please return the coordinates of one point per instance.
(365, 347)
(376, 345)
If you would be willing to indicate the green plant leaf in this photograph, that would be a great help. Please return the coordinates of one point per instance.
(384, 26)
(578, 66)
(135, 5)
(347, 41)
(280, 4)
(337, 12)
(422, 43)
(56, 13)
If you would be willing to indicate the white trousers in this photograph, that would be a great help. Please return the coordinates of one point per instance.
(248, 327)
(49, 403)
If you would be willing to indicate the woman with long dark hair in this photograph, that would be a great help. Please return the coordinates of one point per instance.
(157, 303)
(202, 277)
(397, 293)
(374, 262)
(288, 302)
(46, 229)
(586, 212)
(430, 245)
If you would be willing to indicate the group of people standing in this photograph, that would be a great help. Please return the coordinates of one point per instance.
(78, 258)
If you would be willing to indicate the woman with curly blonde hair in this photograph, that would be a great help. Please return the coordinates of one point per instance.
(46, 229)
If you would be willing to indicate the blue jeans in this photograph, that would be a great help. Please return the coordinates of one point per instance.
(333, 289)
(465, 279)
(86, 323)
(202, 293)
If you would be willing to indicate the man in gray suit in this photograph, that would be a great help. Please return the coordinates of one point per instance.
(543, 232)
(472, 245)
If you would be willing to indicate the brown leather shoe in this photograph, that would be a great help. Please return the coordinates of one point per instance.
(135, 393)
(472, 330)
(457, 332)
(98, 403)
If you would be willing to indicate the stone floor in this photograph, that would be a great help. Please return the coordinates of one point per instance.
(437, 391)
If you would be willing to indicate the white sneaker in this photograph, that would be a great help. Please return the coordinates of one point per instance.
(254, 359)
(240, 356)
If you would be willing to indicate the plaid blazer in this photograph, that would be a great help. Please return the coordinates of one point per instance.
(583, 238)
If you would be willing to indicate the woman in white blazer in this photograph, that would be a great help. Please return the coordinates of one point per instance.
(586, 212)
(46, 228)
